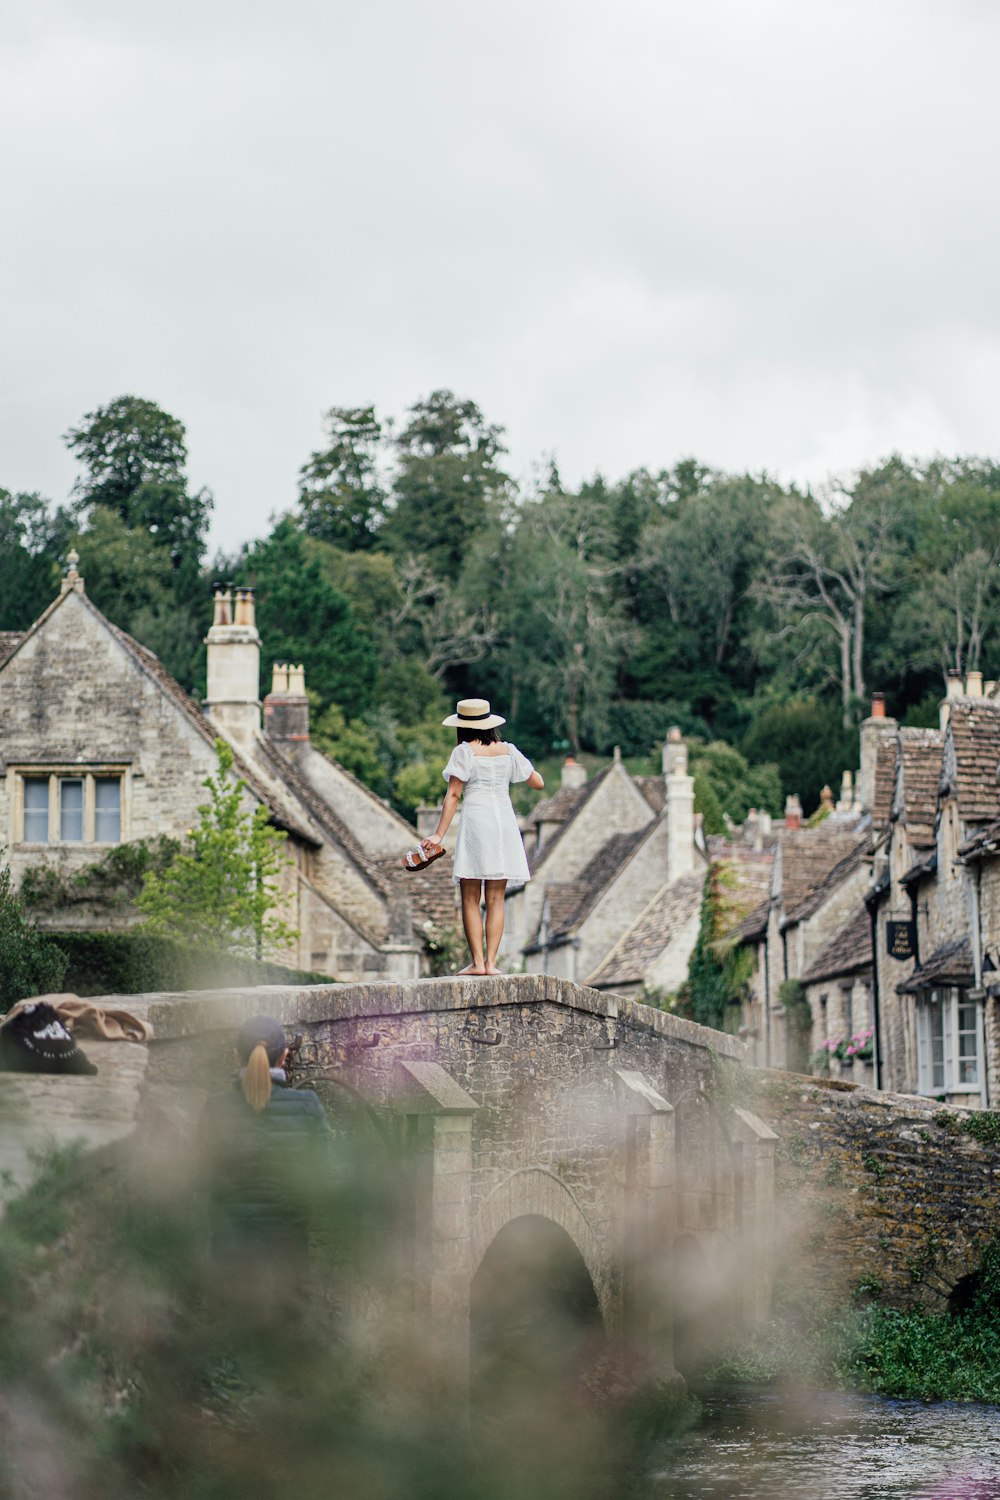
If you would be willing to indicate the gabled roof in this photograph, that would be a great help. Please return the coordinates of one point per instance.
(281, 815)
(562, 809)
(949, 964)
(814, 861)
(847, 952)
(918, 777)
(571, 901)
(671, 909)
(9, 642)
(974, 731)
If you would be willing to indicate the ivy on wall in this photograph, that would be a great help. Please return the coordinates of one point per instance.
(720, 970)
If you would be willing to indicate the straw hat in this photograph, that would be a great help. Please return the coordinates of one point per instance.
(473, 713)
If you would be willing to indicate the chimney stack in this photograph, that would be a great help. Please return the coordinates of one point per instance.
(793, 811)
(954, 690)
(680, 807)
(234, 665)
(877, 726)
(573, 774)
(286, 707)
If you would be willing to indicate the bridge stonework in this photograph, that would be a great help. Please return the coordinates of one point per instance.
(529, 1097)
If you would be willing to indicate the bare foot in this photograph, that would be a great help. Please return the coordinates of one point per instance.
(492, 969)
(471, 970)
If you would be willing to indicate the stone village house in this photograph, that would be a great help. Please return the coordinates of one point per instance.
(100, 746)
(913, 863)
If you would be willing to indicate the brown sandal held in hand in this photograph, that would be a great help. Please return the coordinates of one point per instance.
(419, 858)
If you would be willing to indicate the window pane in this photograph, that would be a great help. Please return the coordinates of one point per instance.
(36, 810)
(71, 811)
(107, 809)
(968, 1042)
(937, 1044)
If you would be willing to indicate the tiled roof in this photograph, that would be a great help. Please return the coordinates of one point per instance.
(885, 780)
(671, 908)
(754, 924)
(984, 841)
(562, 808)
(565, 915)
(9, 641)
(279, 811)
(849, 950)
(919, 778)
(974, 726)
(654, 789)
(949, 964)
(814, 861)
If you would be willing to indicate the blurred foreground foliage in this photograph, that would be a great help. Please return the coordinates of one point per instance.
(135, 1360)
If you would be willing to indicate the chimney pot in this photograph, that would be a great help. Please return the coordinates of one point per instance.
(954, 683)
(279, 677)
(974, 685)
(573, 774)
(990, 688)
(297, 680)
(878, 705)
(793, 811)
(826, 798)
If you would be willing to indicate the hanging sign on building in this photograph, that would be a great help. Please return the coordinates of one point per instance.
(901, 939)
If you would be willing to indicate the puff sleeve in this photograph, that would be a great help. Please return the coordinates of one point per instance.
(459, 763)
(521, 767)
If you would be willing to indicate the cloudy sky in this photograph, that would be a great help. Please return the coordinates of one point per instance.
(763, 232)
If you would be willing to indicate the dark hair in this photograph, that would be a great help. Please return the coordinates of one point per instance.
(484, 736)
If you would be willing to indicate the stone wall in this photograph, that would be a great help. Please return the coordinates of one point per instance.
(879, 1190)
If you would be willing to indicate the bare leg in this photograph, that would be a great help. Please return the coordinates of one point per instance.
(495, 890)
(472, 921)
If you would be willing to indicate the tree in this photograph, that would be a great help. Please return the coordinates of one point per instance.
(447, 483)
(805, 739)
(134, 455)
(341, 498)
(831, 568)
(222, 891)
(31, 540)
(30, 964)
(303, 618)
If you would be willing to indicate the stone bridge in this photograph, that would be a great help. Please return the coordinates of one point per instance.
(528, 1101)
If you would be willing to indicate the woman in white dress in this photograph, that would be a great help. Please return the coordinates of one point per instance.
(489, 850)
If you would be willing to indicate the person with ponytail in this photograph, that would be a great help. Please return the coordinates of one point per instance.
(269, 1147)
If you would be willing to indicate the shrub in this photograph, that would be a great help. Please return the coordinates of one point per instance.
(30, 964)
(136, 963)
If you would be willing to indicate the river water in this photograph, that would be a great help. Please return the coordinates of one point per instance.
(837, 1447)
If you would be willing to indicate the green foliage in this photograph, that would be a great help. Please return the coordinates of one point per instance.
(30, 964)
(138, 963)
(418, 784)
(446, 948)
(303, 618)
(737, 786)
(222, 892)
(803, 738)
(447, 484)
(113, 881)
(341, 499)
(706, 802)
(720, 970)
(31, 538)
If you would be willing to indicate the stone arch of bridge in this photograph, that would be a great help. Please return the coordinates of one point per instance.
(533, 1192)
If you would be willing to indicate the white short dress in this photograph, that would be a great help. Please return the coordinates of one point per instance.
(489, 845)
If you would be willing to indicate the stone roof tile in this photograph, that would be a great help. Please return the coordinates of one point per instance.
(633, 955)
(814, 861)
(919, 774)
(974, 725)
(949, 964)
(848, 950)
(885, 780)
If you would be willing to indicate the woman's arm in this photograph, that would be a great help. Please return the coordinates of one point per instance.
(536, 781)
(452, 798)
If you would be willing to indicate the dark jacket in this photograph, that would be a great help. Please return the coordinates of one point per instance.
(270, 1170)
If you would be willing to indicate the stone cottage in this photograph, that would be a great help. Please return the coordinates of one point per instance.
(100, 747)
(618, 865)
